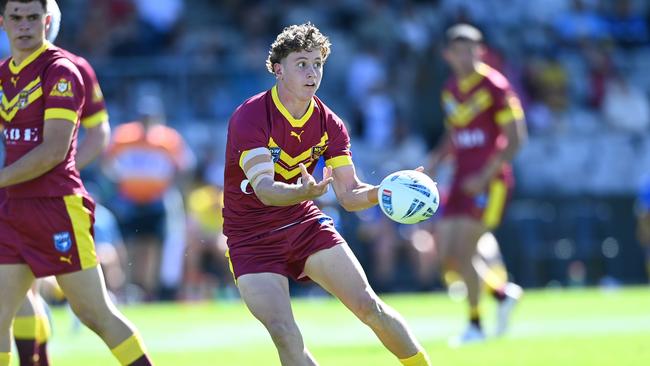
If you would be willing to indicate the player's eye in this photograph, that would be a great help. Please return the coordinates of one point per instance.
(318, 65)
(301, 64)
(31, 18)
(15, 18)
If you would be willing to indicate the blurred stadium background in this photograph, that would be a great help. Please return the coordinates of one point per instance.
(580, 67)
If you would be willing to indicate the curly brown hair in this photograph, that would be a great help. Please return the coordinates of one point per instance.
(296, 38)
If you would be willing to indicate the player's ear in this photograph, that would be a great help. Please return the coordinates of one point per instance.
(277, 70)
(48, 22)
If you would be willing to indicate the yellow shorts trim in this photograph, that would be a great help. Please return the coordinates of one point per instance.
(82, 225)
(232, 270)
(496, 202)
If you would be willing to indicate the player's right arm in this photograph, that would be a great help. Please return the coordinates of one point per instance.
(257, 165)
(60, 117)
(57, 136)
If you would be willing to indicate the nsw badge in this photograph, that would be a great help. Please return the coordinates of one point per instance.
(62, 241)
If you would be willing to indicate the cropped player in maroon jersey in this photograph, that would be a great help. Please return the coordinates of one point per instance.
(485, 128)
(274, 229)
(31, 327)
(46, 219)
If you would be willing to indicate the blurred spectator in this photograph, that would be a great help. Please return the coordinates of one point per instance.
(145, 159)
(643, 220)
(206, 267)
(625, 106)
(627, 26)
(581, 22)
(158, 21)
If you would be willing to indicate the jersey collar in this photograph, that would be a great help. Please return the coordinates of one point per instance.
(468, 82)
(297, 123)
(15, 69)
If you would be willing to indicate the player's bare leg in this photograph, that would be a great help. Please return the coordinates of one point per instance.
(469, 231)
(339, 272)
(267, 296)
(490, 267)
(454, 236)
(88, 298)
(146, 252)
(32, 330)
(15, 280)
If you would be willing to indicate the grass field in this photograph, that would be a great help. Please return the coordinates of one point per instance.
(551, 327)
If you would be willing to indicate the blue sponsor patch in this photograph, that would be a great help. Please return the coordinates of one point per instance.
(62, 241)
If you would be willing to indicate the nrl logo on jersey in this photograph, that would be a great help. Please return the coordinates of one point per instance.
(275, 153)
(63, 88)
(317, 151)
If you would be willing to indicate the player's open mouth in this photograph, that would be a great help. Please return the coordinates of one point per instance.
(311, 85)
(24, 38)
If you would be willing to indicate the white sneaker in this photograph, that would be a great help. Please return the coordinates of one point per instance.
(513, 294)
(472, 334)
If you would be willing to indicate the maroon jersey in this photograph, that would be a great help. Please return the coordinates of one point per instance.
(93, 111)
(475, 108)
(46, 85)
(262, 121)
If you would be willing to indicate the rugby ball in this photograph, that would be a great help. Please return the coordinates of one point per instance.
(408, 196)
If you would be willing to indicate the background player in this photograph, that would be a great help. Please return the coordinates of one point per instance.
(274, 229)
(47, 216)
(485, 128)
(31, 327)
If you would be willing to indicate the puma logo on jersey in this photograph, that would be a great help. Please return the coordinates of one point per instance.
(296, 135)
(67, 259)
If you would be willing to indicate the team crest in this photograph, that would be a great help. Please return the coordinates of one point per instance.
(317, 151)
(63, 88)
(62, 241)
(23, 100)
(275, 153)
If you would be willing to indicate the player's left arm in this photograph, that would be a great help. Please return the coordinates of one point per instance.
(93, 143)
(57, 137)
(94, 118)
(351, 192)
(516, 133)
(510, 118)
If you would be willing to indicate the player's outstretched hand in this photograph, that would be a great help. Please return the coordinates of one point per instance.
(310, 187)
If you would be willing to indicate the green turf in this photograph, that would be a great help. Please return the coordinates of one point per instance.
(552, 327)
